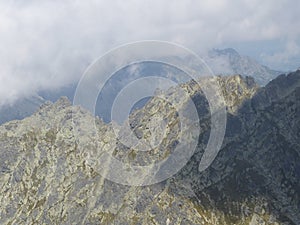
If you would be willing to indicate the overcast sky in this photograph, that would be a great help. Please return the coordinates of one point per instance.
(45, 44)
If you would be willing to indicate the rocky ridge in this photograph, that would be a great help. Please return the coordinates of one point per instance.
(48, 172)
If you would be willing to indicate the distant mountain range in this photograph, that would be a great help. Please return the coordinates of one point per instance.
(21, 108)
(229, 61)
(27, 106)
(222, 62)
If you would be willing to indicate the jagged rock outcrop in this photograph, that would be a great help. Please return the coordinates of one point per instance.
(48, 166)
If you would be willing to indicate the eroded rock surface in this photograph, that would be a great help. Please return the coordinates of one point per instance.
(49, 172)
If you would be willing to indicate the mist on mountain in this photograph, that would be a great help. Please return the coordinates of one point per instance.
(222, 62)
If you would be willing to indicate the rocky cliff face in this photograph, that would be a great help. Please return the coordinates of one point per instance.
(256, 174)
(49, 175)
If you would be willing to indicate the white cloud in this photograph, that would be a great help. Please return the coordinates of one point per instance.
(45, 44)
(285, 57)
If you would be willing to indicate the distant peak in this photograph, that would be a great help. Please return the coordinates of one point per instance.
(227, 51)
(230, 50)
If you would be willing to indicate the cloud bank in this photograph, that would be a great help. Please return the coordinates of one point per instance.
(47, 44)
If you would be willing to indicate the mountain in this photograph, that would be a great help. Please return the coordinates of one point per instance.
(228, 61)
(222, 62)
(25, 107)
(21, 108)
(55, 94)
(49, 168)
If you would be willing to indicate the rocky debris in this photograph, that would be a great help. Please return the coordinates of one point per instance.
(48, 163)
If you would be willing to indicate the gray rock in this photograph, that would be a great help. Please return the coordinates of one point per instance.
(49, 170)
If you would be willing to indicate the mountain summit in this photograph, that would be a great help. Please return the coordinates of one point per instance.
(228, 61)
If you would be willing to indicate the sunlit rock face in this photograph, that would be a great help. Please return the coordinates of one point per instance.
(49, 169)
